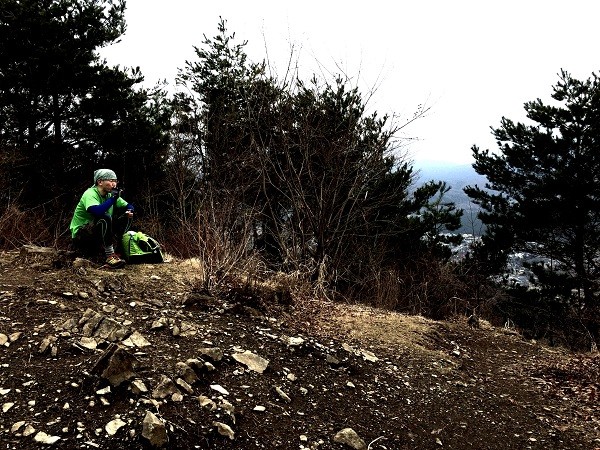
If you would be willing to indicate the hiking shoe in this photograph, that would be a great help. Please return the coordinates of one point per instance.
(114, 261)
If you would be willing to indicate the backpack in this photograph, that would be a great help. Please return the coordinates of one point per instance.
(140, 248)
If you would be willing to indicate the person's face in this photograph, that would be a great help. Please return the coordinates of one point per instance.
(107, 185)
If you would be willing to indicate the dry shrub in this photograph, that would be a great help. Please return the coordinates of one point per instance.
(426, 286)
(19, 227)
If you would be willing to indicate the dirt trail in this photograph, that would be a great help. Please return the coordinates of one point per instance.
(399, 382)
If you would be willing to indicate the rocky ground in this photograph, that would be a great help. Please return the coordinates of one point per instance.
(141, 358)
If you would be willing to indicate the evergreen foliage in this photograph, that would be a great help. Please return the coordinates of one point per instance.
(63, 111)
(543, 194)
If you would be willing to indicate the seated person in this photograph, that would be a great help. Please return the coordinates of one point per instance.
(101, 217)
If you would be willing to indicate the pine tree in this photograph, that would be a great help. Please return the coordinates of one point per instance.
(543, 194)
(63, 111)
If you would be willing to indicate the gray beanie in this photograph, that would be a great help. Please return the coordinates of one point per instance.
(104, 174)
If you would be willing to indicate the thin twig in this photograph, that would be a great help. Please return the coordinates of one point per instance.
(373, 441)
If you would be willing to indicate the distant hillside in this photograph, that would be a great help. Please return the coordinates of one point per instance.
(457, 176)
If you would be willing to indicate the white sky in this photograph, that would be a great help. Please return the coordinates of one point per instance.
(472, 61)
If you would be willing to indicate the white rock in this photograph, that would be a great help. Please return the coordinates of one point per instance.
(17, 426)
(296, 341)
(114, 425)
(138, 387)
(7, 406)
(103, 391)
(88, 342)
(259, 408)
(349, 437)
(252, 361)
(207, 403)
(224, 430)
(369, 356)
(44, 438)
(4, 391)
(219, 388)
(154, 430)
(28, 431)
(136, 340)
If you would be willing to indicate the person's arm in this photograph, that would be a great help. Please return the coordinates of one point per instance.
(121, 203)
(102, 208)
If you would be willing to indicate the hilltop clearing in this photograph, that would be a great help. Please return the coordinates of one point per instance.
(139, 358)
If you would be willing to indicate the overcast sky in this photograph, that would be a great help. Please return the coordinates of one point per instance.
(471, 61)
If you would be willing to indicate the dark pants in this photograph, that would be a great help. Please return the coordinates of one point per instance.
(92, 239)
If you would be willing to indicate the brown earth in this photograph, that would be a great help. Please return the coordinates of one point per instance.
(399, 382)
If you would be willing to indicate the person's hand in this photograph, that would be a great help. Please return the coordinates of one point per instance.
(129, 213)
(116, 192)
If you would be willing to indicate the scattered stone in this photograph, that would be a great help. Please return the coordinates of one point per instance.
(220, 389)
(3, 339)
(349, 437)
(44, 438)
(165, 387)
(154, 430)
(14, 336)
(332, 360)
(103, 391)
(369, 356)
(224, 430)
(88, 342)
(228, 408)
(81, 263)
(90, 323)
(17, 426)
(184, 385)
(259, 408)
(28, 431)
(136, 340)
(292, 341)
(116, 365)
(4, 391)
(186, 372)
(138, 387)
(187, 329)
(207, 403)
(47, 343)
(68, 325)
(111, 330)
(160, 323)
(7, 406)
(109, 309)
(252, 361)
(214, 353)
(113, 426)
